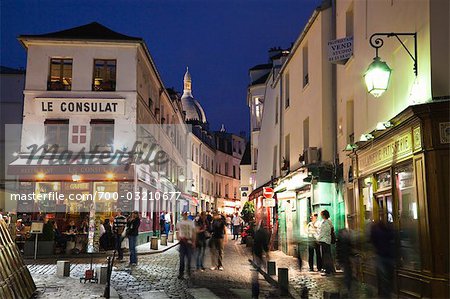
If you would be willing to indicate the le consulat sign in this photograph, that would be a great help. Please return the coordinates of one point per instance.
(80, 106)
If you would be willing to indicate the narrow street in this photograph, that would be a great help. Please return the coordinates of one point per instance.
(156, 277)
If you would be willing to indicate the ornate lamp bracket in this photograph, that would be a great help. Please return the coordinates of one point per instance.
(376, 41)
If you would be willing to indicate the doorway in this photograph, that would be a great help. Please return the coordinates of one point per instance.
(385, 208)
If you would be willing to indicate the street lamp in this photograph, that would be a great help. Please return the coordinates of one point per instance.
(378, 73)
(377, 77)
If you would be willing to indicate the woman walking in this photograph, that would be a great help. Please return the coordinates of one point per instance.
(202, 232)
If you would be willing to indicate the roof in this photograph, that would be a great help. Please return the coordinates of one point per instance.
(9, 70)
(247, 158)
(261, 80)
(91, 31)
(261, 67)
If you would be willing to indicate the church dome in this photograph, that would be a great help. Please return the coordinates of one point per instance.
(192, 108)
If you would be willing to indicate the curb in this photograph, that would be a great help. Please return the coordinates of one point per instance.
(159, 251)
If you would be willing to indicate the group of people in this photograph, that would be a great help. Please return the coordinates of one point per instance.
(320, 237)
(206, 230)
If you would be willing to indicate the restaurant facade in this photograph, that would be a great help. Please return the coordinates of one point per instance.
(100, 131)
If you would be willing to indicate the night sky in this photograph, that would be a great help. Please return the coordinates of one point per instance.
(218, 40)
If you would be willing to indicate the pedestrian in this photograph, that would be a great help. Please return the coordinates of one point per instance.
(313, 244)
(186, 236)
(228, 221)
(162, 223)
(260, 247)
(218, 240)
(382, 237)
(344, 252)
(119, 224)
(132, 232)
(168, 221)
(202, 235)
(325, 232)
(237, 222)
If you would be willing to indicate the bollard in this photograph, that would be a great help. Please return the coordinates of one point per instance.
(271, 268)
(154, 243)
(163, 240)
(170, 237)
(102, 274)
(63, 268)
(283, 281)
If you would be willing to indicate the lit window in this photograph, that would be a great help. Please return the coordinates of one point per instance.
(104, 75)
(60, 77)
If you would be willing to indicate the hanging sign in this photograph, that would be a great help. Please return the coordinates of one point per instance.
(340, 50)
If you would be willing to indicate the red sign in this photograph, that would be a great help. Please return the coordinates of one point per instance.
(268, 192)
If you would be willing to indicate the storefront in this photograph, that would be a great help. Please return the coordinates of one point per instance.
(402, 180)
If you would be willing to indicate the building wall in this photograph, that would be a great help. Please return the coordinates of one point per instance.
(310, 103)
(269, 136)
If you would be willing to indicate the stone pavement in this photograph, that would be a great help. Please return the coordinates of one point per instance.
(315, 283)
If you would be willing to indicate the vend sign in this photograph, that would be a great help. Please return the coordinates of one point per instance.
(268, 193)
(340, 50)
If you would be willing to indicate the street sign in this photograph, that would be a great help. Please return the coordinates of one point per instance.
(269, 202)
(268, 192)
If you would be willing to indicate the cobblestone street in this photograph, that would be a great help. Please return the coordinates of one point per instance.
(156, 277)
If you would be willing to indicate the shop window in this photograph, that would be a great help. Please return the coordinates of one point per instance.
(367, 194)
(104, 75)
(409, 217)
(60, 75)
(79, 134)
(57, 133)
(102, 135)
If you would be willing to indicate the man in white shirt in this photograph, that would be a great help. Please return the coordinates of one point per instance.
(168, 220)
(324, 239)
(313, 244)
(237, 222)
(186, 236)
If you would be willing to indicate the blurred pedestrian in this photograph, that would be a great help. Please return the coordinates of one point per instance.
(119, 224)
(168, 222)
(218, 240)
(344, 253)
(202, 236)
(132, 232)
(186, 237)
(162, 223)
(382, 237)
(237, 222)
(260, 247)
(325, 232)
(313, 244)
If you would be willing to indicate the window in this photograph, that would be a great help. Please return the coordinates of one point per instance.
(150, 104)
(60, 77)
(286, 91)
(306, 133)
(349, 21)
(350, 122)
(102, 135)
(104, 75)
(409, 217)
(276, 110)
(234, 171)
(287, 152)
(305, 66)
(79, 134)
(57, 133)
(226, 168)
(258, 112)
(274, 165)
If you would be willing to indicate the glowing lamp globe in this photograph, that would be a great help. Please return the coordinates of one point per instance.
(377, 77)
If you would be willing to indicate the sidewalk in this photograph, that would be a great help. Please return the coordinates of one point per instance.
(145, 248)
(317, 286)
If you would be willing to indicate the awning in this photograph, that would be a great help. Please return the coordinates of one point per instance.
(192, 199)
(28, 169)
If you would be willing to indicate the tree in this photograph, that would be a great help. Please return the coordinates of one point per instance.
(248, 211)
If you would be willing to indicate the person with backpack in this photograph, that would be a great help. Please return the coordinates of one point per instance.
(326, 237)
